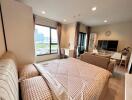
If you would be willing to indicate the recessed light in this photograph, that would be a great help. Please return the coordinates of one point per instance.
(64, 20)
(94, 8)
(105, 21)
(43, 12)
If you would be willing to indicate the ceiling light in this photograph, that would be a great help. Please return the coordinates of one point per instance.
(65, 20)
(105, 21)
(43, 12)
(94, 8)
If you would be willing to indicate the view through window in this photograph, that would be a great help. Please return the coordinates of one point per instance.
(46, 40)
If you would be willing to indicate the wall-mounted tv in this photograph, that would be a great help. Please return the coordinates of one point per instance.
(110, 45)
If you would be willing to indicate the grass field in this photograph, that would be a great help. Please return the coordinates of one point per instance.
(45, 47)
(41, 45)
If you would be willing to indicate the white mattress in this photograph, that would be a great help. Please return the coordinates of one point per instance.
(72, 79)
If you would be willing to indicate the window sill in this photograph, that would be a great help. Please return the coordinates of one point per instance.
(46, 57)
(47, 54)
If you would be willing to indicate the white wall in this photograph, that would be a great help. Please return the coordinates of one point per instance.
(68, 31)
(68, 36)
(19, 30)
(119, 31)
(71, 35)
(64, 37)
(2, 44)
(83, 28)
(45, 21)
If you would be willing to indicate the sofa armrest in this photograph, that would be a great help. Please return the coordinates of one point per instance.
(84, 56)
(81, 57)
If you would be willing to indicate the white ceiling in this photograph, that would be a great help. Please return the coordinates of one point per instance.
(80, 10)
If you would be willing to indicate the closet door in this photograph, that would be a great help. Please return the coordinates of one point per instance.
(2, 44)
(19, 30)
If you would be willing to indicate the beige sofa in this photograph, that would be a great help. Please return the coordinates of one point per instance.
(101, 61)
(9, 89)
(32, 85)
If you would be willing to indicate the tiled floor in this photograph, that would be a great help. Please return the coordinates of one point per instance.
(116, 85)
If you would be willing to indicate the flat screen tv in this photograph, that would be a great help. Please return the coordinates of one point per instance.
(110, 45)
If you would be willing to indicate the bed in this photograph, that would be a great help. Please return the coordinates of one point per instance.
(73, 79)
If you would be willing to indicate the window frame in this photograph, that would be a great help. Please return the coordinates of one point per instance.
(50, 41)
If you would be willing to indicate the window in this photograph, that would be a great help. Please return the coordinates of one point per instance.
(46, 40)
(54, 41)
(81, 43)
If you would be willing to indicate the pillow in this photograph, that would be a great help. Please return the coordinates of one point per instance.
(28, 71)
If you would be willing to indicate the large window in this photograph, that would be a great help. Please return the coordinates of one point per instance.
(46, 40)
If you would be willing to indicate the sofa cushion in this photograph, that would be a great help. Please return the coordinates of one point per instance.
(28, 71)
(35, 89)
(8, 80)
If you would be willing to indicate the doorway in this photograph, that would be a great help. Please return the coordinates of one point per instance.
(82, 43)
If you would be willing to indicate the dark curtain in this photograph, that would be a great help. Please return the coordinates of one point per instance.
(76, 39)
(88, 30)
(59, 27)
(34, 18)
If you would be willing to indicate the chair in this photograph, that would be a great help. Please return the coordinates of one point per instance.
(125, 58)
